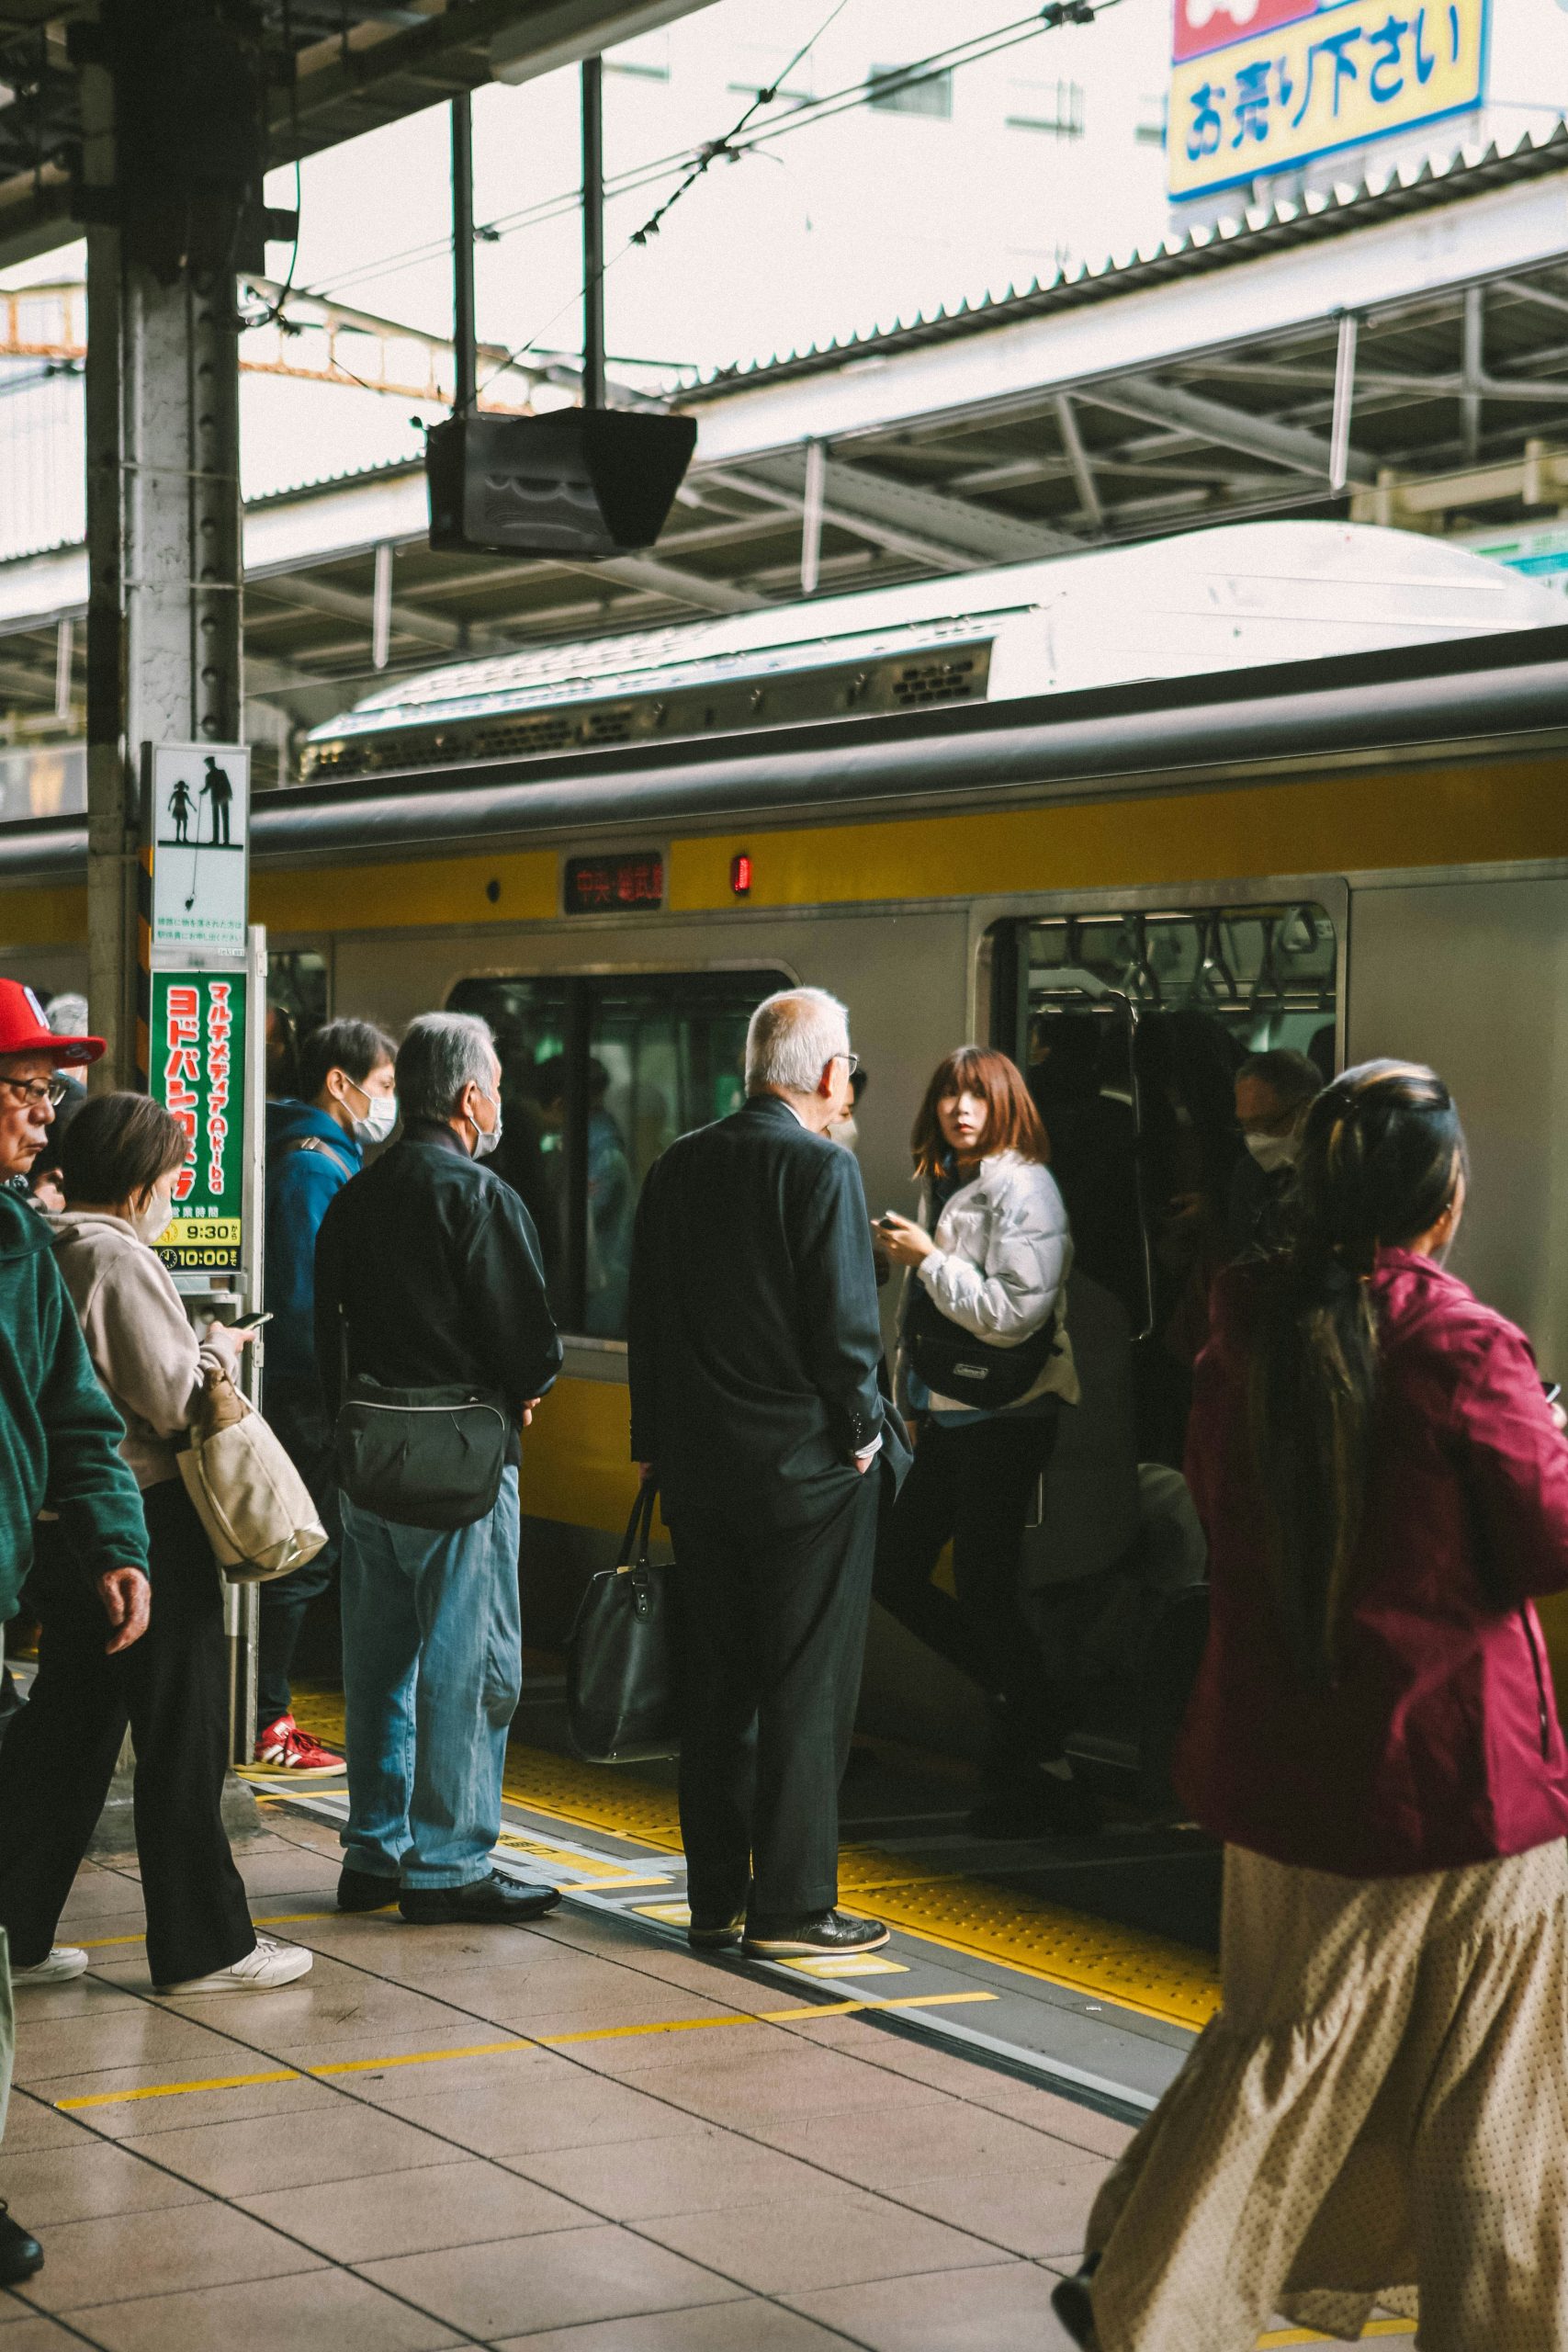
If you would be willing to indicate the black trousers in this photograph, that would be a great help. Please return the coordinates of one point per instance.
(297, 1414)
(973, 1487)
(171, 1688)
(774, 1641)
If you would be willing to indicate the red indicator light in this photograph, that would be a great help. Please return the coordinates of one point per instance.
(741, 875)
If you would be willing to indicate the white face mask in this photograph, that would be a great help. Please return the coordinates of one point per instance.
(148, 1223)
(485, 1143)
(380, 1118)
(1273, 1152)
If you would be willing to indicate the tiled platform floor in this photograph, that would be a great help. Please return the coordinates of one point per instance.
(728, 2183)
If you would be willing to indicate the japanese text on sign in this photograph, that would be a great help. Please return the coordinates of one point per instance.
(1336, 77)
(610, 885)
(196, 1057)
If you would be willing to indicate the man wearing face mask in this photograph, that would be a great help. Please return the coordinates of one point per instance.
(1274, 1091)
(313, 1146)
(428, 1277)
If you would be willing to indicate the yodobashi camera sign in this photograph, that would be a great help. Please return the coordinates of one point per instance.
(196, 1057)
(200, 825)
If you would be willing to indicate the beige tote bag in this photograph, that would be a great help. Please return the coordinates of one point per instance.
(256, 1508)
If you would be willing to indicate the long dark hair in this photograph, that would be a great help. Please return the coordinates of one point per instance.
(1382, 1155)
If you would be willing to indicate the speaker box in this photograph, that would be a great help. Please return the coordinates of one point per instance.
(580, 482)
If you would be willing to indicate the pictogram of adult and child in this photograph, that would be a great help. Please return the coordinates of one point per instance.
(183, 805)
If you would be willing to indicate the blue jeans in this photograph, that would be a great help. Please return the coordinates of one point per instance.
(432, 1672)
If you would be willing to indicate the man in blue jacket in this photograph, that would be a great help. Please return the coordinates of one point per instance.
(313, 1146)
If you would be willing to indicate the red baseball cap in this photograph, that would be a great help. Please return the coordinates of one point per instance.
(24, 1030)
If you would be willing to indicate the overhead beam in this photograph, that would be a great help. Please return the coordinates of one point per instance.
(1258, 436)
(1077, 460)
(351, 604)
(669, 579)
(563, 32)
(928, 523)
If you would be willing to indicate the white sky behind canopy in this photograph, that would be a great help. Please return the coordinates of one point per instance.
(840, 227)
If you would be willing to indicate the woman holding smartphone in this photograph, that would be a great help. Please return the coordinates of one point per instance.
(984, 1366)
(119, 1164)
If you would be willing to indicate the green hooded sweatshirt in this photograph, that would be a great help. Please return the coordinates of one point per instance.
(58, 1434)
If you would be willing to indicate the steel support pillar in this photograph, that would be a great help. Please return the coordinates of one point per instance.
(163, 619)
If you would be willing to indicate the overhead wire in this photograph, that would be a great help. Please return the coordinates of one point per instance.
(802, 116)
(732, 146)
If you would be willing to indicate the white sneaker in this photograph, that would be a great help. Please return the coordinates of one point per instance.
(271, 1963)
(64, 1962)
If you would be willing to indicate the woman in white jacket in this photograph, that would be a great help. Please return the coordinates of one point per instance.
(993, 1271)
(120, 1158)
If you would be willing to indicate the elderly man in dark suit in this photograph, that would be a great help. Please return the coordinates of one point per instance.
(754, 1347)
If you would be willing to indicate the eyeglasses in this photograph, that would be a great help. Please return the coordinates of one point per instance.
(38, 1091)
(852, 1059)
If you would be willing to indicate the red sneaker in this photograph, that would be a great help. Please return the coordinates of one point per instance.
(284, 1747)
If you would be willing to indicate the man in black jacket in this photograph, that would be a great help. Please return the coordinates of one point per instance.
(428, 1275)
(754, 1347)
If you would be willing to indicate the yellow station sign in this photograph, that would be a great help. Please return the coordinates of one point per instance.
(1326, 77)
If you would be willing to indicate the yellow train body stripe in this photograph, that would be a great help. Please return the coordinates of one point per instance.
(580, 1470)
(1479, 812)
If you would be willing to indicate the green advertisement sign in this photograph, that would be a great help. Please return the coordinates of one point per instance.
(197, 1070)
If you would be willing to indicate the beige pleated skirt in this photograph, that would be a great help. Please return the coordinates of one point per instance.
(1377, 2117)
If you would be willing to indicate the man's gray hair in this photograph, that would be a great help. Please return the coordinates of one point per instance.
(792, 1038)
(440, 1055)
(1295, 1078)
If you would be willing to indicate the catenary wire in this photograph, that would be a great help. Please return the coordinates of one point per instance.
(800, 117)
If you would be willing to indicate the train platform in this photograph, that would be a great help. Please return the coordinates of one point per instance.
(582, 2137)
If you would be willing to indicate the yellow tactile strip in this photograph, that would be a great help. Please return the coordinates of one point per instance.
(1150, 1973)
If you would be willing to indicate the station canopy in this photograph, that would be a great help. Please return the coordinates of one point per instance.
(356, 67)
(1209, 380)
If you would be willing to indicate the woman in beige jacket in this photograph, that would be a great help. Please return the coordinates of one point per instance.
(119, 1161)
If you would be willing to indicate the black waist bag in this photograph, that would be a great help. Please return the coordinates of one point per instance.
(422, 1457)
(621, 1656)
(953, 1363)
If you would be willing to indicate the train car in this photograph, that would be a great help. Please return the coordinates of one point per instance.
(1120, 813)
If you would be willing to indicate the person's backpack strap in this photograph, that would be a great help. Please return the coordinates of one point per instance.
(315, 1143)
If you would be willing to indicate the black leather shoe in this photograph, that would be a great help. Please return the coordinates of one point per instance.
(20, 2255)
(492, 1902)
(817, 1931)
(720, 1933)
(1071, 2302)
(365, 1891)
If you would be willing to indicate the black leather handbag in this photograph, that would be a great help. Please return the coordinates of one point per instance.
(621, 1655)
(953, 1363)
(422, 1457)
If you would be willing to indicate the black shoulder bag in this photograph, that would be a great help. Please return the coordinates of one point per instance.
(621, 1656)
(420, 1457)
(953, 1363)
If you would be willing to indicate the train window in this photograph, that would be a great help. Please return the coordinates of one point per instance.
(599, 1074)
(295, 1004)
(1130, 1026)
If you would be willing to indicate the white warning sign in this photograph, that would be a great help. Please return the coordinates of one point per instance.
(200, 840)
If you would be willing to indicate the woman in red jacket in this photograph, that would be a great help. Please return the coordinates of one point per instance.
(1381, 2108)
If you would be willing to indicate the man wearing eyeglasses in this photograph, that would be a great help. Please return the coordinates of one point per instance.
(754, 1345)
(58, 1434)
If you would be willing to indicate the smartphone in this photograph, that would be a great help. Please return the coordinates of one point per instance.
(250, 1322)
